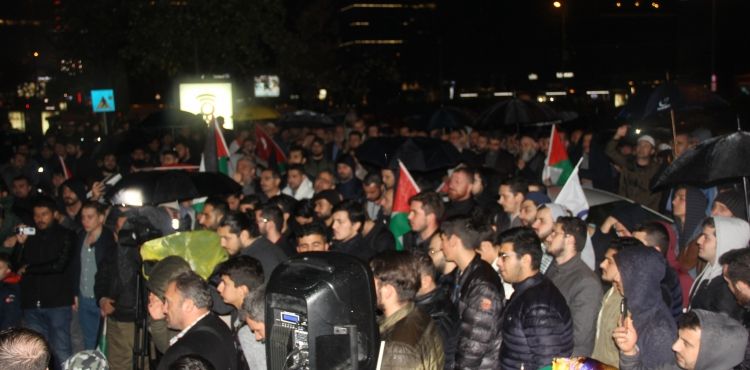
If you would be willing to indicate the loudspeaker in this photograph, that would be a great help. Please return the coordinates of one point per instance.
(320, 314)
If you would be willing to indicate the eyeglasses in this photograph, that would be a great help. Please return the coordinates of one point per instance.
(433, 251)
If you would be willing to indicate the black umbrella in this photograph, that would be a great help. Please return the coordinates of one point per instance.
(682, 97)
(720, 158)
(305, 118)
(449, 118)
(516, 113)
(156, 187)
(171, 118)
(420, 154)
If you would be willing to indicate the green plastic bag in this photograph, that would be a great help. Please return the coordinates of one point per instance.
(201, 249)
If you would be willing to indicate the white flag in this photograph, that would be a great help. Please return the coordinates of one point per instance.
(571, 195)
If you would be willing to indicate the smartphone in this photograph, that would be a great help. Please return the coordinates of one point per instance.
(623, 311)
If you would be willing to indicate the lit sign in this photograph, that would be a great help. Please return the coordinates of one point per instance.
(267, 86)
(103, 100)
(209, 100)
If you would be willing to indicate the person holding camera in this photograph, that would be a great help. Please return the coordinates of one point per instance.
(44, 258)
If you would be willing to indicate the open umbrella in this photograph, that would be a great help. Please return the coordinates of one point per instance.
(420, 154)
(171, 118)
(449, 118)
(156, 187)
(682, 97)
(516, 113)
(256, 113)
(305, 118)
(720, 158)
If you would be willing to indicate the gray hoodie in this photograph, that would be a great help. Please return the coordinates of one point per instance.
(723, 344)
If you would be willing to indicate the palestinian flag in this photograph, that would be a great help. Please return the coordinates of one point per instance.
(216, 153)
(557, 166)
(405, 189)
(267, 150)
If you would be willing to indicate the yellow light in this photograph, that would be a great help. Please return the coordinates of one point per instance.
(637, 4)
(571, 91)
(655, 5)
(36, 54)
(557, 4)
(618, 4)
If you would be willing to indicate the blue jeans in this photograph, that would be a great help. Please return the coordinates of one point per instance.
(54, 325)
(88, 317)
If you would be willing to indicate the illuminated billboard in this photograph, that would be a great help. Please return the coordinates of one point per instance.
(267, 86)
(208, 99)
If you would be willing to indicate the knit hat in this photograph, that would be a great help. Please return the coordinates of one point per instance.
(164, 271)
(332, 196)
(538, 197)
(629, 215)
(77, 187)
(347, 160)
(733, 200)
(649, 139)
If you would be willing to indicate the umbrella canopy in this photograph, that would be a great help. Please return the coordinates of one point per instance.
(256, 113)
(420, 154)
(171, 118)
(516, 113)
(720, 158)
(305, 118)
(449, 118)
(682, 97)
(156, 187)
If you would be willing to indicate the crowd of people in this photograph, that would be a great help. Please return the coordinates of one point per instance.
(493, 274)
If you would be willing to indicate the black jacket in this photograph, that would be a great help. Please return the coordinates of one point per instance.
(211, 339)
(118, 280)
(268, 254)
(671, 291)
(47, 282)
(438, 305)
(379, 239)
(412, 241)
(461, 208)
(480, 305)
(714, 295)
(537, 325)
(354, 247)
(103, 247)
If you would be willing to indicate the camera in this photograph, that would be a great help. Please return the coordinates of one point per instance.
(26, 230)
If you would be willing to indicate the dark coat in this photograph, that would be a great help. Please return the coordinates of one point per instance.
(642, 269)
(211, 339)
(714, 295)
(411, 341)
(379, 239)
(671, 291)
(537, 325)
(444, 314)
(480, 305)
(268, 254)
(103, 247)
(47, 255)
(462, 208)
(354, 247)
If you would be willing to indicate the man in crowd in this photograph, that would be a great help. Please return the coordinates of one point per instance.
(656, 235)
(435, 301)
(214, 210)
(348, 218)
(240, 236)
(412, 340)
(270, 225)
(46, 286)
(425, 212)
(461, 201)
(530, 206)
(348, 184)
(605, 350)
(324, 181)
(729, 203)
(512, 195)
(575, 280)
(23, 349)
(709, 291)
(637, 172)
(73, 196)
(325, 201)
(374, 192)
(478, 294)
(187, 309)
(707, 340)
(241, 275)
(317, 161)
(531, 159)
(536, 324)
(270, 184)
(312, 237)
(546, 216)
(298, 185)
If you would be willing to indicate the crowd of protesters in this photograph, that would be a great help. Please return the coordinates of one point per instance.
(492, 275)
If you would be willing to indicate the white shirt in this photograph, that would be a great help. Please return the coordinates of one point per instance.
(184, 331)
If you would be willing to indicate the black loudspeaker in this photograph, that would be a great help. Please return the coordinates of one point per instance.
(320, 314)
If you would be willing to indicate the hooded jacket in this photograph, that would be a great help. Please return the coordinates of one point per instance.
(641, 270)
(695, 212)
(686, 281)
(710, 291)
(723, 342)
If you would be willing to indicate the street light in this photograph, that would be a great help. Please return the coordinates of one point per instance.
(557, 4)
(36, 54)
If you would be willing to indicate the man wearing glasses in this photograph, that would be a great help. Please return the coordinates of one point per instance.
(536, 324)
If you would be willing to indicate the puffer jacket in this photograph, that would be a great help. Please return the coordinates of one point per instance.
(537, 325)
(411, 341)
(480, 305)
